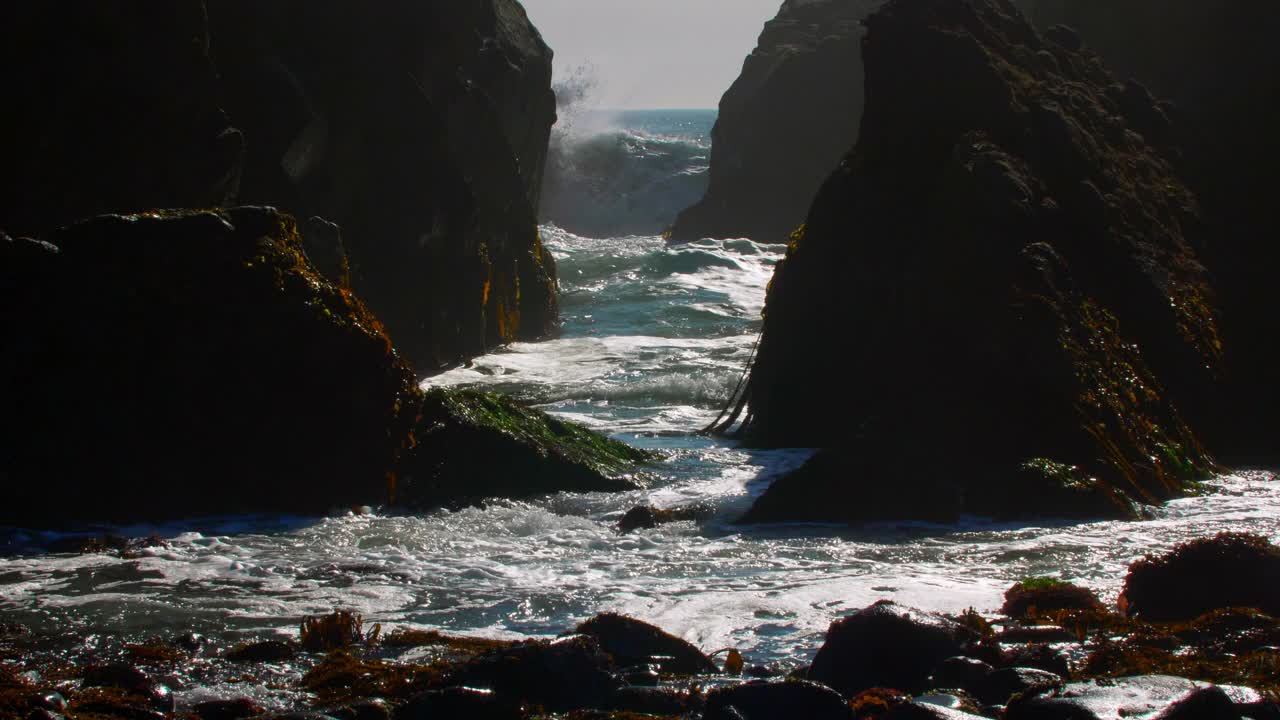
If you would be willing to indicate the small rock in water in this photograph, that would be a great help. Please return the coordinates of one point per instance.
(264, 651)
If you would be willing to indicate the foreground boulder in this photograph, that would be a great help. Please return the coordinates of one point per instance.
(1019, 297)
(632, 643)
(169, 364)
(1232, 570)
(472, 445)
(784, 123)
(886, 645)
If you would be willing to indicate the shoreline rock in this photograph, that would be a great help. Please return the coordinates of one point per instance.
(1207, 664)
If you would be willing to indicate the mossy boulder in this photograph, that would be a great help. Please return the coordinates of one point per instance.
(1047, 595)
(1231, 570)
(189, 362)
(996, 298)
(472, 445)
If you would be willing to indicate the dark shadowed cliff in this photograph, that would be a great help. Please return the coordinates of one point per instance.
(997, 302)
(419, 128)
(784, 123)
(1218, 66)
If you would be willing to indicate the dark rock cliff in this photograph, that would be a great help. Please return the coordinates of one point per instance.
(1218, 66)
(109, 106)
(420, 128)
(997, 302)
(784, 123)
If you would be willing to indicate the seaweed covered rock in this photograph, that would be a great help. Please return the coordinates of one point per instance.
(632, 642)
(1020, 300)
(111, 106)
(886, 645)
(472, 445)
(784, 124)
(1218, 65)
(422, 130)
(1231, 570)
(178, 363)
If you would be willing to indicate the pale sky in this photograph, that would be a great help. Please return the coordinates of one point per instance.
(653, 53)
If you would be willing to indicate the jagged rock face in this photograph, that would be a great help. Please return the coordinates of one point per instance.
(421, 129)
(109, 106)
(996, 295)
(189, 363)
(784, 124)
(1218, 63)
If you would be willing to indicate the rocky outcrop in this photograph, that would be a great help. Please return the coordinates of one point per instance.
(784, 124)
(1217, 64)
(110, 107)
(997, 302)
(181, 363)
(421, 129)
(470, 446)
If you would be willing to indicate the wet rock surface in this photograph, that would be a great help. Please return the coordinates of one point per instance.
(784, 123)
(1011, 262)
(204, 330)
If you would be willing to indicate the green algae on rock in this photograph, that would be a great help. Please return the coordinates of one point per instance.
(472, 445)
(185, 363)
(1002, 278)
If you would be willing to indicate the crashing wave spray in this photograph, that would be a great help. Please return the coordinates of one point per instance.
(616, 173)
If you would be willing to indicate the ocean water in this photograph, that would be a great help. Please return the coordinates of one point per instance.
(613, 173)
(655, 338)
